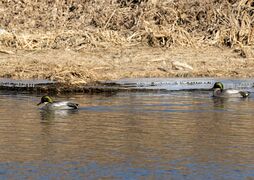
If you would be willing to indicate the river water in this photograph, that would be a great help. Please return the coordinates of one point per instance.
(167, 135)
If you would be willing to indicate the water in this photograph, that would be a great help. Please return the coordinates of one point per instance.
(181, 83)
(170, 135)
(8, 82)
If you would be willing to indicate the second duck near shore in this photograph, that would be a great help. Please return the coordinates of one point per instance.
(219, 91)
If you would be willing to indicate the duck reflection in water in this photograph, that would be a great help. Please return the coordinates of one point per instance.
(49, 115)
(220, 103)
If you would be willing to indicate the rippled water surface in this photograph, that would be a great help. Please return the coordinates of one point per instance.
(171, 135)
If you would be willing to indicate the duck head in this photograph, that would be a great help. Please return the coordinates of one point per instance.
(218, 85)
(45, 99)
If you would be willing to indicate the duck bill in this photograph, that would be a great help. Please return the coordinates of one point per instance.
(39, 103)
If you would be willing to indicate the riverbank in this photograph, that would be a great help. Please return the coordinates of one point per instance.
(74, 69)
(81, 43)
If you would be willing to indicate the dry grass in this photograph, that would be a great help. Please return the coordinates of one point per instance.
(75, 68)
(102, 23)
(99, 26)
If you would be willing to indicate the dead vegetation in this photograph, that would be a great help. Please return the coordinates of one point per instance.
(99, 26)
(102, 23)
(88, 67)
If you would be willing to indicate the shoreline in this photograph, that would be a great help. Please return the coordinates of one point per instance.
(132, 85)
(85, 70)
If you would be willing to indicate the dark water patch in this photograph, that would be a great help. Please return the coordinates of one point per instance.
(93, 170)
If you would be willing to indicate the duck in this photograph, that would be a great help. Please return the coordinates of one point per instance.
(50, 104)
(219, 91)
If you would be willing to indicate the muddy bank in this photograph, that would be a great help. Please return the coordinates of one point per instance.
(73, 69)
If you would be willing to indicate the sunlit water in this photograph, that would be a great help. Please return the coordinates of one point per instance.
(170, 135)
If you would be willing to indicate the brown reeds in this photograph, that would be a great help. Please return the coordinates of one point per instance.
(101, 23)
(77, 25)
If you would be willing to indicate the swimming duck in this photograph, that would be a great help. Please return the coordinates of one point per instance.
(56, 105)
(219, 91)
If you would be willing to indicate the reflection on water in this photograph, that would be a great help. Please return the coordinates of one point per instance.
(47, 115)
(175, 135)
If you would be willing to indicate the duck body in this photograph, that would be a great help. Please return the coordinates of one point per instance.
(229, 93)
(49, 104)
(219, 91)
(60, 105)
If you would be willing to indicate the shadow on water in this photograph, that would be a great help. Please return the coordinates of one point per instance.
(174, 135)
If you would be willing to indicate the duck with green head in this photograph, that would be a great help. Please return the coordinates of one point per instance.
(219, 91)
(49, 104)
